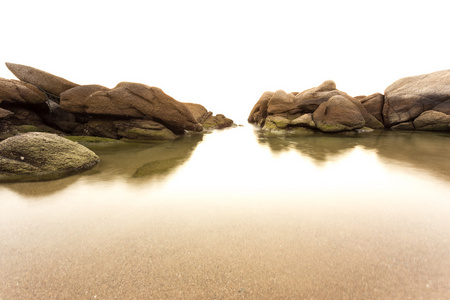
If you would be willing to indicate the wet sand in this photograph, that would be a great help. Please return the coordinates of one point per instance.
(196, 250)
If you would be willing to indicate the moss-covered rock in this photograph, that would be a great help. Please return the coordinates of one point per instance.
(40, 156)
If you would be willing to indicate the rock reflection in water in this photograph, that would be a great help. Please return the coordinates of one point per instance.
(422, 150)
(134, 163)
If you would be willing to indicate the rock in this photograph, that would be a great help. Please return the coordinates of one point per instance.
(48, 82)
(404, 126)
(305, 120)
(374, 105)
(143, 130)
(276, 122)
(409, 97)
(432, 120)
(62, 120)
(444, 107)
(308, 101)
(338, 114)
(133, 129)
(5, 113)
(218, 121)
(280, 102)
(74, 100)
(259, 111)
(133, 100)
(18, 92)
(200, 113)
(42, 156)
(99, 127)
(370, 121)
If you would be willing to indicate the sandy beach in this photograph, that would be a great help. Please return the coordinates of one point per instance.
(224, 251)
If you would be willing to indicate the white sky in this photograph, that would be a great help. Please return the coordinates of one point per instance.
(225, 54)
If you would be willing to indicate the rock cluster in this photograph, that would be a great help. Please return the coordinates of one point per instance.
(412, 103)
(40, 101)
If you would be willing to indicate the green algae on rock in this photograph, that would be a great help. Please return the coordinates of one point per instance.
(39, 156)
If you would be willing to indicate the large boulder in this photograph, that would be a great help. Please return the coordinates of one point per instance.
(42, 156)
(133, 100)
(338, 114)
(48, 82)
(19, 92)
(409, 97)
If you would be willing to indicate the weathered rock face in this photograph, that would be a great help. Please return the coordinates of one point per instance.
(133, 100)
(42, 156)
(409, 97)
(48, 82)
(19, 92)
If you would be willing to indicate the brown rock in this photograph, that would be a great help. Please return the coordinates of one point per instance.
(48, 82)
(131, 100)
(218, 121)
(5, 113)
(409, 97)
(444, 107)
(259, 111)
(309, 100)
(338, 114)
(19, 92)
(200, 113)
(432, 120)
(139, 129)
(373, 105)
(280, 102)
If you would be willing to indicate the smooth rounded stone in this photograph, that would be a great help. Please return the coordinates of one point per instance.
(280, 102)
(338, 114)
(50, 83)
(138, 129)
(259, 112)
(19, 92)
(200, 113)
(4, 113)
(409, 97)
(304, 120)
(42, 156)
(432, 120)
(133, 100)
(374, 105)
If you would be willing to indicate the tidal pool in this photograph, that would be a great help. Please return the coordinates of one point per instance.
(235, 214)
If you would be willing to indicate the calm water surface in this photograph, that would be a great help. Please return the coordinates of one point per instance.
(235, 214)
